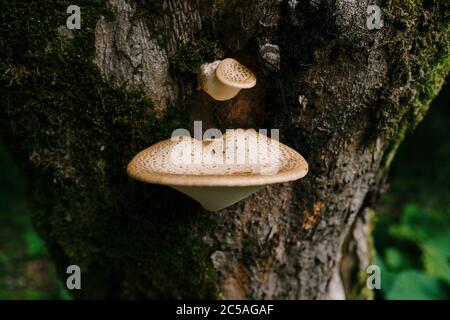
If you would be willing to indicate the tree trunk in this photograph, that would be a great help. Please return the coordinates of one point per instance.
(78, 104)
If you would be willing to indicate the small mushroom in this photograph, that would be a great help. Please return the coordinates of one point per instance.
(218, 172)
(223, 80)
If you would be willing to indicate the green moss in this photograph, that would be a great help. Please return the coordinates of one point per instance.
(419, 51)
(192, 55)
(75, 137)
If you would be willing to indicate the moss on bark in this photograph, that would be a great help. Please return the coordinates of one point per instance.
(78, 135)
(418, 49)
(419, 52)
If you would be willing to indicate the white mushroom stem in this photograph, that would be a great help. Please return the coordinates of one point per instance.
(212, 86)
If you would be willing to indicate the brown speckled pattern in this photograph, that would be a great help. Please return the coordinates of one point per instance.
(231, 72)
(184, 160)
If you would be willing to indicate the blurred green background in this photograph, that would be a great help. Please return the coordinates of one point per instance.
(26, 271)
(412, 235)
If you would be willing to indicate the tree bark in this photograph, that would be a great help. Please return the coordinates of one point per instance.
(77, 105)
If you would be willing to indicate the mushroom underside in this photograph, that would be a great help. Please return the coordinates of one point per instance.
(217, 198)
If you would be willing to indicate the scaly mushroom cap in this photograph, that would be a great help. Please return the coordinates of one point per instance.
(238, 158)
(231, 73)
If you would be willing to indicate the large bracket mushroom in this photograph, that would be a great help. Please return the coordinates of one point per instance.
(218, 172)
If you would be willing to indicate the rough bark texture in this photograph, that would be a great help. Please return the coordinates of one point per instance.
(77, 105)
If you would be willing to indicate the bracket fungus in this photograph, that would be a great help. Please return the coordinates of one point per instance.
(218, 172)
(223, 80)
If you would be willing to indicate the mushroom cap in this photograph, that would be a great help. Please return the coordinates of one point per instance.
(165, 162)
(231, 73)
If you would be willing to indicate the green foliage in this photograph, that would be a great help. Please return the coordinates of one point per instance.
(26, 271)
(415, 254)
(35, 246)
(415, 285)
(413, 232)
